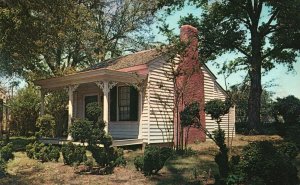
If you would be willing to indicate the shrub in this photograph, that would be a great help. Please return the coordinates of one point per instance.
(46, 125)
(73, 154)
(42, 152)
(81, 130)
(289, 149)
(87, 131)
(2, 168)
(93, 112)
(6, 152)
(139, 163)
(107, 158)
(153, 160)
(261, 162)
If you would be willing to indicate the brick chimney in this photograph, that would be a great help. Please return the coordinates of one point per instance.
(191, 81)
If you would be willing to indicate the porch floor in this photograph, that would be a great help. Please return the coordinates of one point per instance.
(116, 141)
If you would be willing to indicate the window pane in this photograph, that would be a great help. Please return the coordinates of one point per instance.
(124, 103)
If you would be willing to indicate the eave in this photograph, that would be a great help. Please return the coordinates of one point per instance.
(88, 77)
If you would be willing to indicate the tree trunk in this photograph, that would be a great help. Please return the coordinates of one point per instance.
(254, 95)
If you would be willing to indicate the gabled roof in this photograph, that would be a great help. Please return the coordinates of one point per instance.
(130, 60)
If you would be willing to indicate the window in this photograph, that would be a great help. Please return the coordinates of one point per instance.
(124, 104)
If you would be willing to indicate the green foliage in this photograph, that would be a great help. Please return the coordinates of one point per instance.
(42, 152)
(87, 131)
(24, 110)
(289, 108)
(289, 149)
(2, 168)
(81, 130)
(75, 39)
(20, 143)
(261, 162)
(221, 157)
(240, 94)
(46, 125)
(153, 160)
(93, 112)
(292, 134)
(190, 115)
(217, 108)
(55, 104)
(6, 152)
(259, 32)
(139, 163)
(107, 158)
(73, 154)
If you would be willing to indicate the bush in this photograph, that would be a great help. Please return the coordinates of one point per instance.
(93, 112)
(288, 108)
(2, 168)
(81, 130)
(139, 163)
(261, 162)
(46, 125)
(73, 154)
(107, 158)
(24, 110)
(289, 149)
(6, 152)
(42, 152)
(153, 160)
(87, 131)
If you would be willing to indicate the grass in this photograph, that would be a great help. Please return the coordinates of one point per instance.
(177, 171)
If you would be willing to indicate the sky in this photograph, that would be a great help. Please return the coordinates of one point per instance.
(284, 82)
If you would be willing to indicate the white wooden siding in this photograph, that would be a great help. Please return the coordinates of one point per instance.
(124, 129)
(213, 91)
(161, 99)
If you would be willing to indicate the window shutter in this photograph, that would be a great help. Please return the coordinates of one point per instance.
(113, 104)
(134, 104)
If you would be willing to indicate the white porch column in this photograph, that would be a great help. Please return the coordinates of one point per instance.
(42, 102)
(71, 89)
(105, 86)
(140, 113)
(105, 105)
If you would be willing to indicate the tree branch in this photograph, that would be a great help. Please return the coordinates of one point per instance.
(274, 50)
(267, 26)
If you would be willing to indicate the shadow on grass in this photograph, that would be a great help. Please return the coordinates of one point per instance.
(181, 171)
(15, 179)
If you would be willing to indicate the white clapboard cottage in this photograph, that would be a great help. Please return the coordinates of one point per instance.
(137, 95)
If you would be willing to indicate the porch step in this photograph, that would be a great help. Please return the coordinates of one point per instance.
(126, 142)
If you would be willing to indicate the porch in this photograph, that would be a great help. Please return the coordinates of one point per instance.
(119, 94)
(116, 142)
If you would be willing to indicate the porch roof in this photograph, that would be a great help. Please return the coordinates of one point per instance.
(88, 77)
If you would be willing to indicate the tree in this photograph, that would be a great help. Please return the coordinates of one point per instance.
(289, 108)
(239, 94)
(44, 38)
(24, 110)
(262, 33)
(52, 38)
